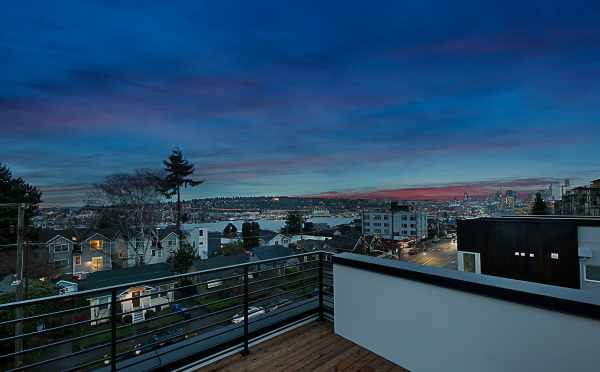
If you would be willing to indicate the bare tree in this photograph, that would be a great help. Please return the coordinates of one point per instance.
(129, 202)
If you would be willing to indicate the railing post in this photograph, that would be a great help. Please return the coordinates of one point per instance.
(321, 286)
(246, 351)
(113, 324)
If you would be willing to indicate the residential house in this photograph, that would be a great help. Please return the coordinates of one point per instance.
(159, 246)
(285, 240)
(79, 251)
(135, 301)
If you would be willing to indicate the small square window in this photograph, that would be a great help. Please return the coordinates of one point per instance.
(554, 256)
(516, 253)
(592, 273)
(531, 255)
(522, 254)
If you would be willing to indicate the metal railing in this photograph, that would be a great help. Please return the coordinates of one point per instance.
(160, 322)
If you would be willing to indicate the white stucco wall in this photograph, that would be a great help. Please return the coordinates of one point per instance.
(424, 327)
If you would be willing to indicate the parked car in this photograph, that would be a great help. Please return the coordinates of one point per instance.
(283, 302)
(253, 311)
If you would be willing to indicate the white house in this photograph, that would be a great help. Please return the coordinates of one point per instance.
(135, 301)
(163, 243)
(285, 240)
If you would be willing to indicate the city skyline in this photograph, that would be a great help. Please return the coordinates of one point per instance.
(419, 100)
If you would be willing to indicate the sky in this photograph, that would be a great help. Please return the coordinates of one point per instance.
(419, 99)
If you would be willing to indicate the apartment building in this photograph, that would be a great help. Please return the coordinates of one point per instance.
(398, 222)
(580, 201)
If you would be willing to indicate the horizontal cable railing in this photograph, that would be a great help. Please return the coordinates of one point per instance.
(112, 328)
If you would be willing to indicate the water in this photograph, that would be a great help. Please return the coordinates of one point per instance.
(273, 225)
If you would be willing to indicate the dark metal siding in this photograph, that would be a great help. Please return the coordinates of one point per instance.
(497, 240)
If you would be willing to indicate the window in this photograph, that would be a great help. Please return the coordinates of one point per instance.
(77, 260)
(377, 231)
(404, 232)
(60, 263)
(201, 232)
(592, 273)
(367, 230)
(386, 225)
(469, 262)
(412, 218)
(412, 225)
(385, 217)
(96, 244)
(403, 218)
(377, 217)
(58, 248)
(367, 224)
(97, 263)
(404, 225)
(171, 243)
(153, 252)
(103, 303)
(377, 224)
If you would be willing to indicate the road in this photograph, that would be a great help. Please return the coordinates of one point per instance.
(440, 254)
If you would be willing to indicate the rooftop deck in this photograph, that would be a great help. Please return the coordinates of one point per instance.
(312, 347)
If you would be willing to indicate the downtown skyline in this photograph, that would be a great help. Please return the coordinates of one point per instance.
(416, 100)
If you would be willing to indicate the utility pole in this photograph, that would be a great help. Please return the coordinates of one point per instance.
(20, 279)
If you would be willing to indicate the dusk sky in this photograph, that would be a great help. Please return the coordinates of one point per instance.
(419, 99)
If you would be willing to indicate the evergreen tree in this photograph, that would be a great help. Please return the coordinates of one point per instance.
(230, 231)
(15, 190)
(251, 235)
(183, 257)
(539, 206)
(293, 223)
(177, 171)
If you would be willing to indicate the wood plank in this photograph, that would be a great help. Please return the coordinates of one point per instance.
(285, 340)
(311, 347)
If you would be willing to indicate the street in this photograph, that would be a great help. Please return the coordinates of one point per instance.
(440, 254)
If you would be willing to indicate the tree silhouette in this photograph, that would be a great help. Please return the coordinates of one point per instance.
(177, 171)
(539, 206)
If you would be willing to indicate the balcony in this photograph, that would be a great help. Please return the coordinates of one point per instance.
(281, 314)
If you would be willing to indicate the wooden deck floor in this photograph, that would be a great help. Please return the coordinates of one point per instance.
(312, 347)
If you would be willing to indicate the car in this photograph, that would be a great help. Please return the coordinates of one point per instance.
(280, 303)
(253, 311)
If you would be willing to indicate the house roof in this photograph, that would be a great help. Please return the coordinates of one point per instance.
(267, 235)
(267, 252)
(114, 277)
(80, 234)
(345, 242)
(220, 261)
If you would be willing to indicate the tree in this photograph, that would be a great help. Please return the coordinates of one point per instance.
(539, 205)
(183, 258)
(293, 223)
(230, 231)
(178, 170)
(251, 235)
(128, 202)
(16, 190)
(309, 227)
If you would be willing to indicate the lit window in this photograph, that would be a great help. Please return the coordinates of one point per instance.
(97, 263)
(77, 260)
(96, 244)
(592, 273)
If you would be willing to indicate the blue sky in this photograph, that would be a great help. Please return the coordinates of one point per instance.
(301, 98)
